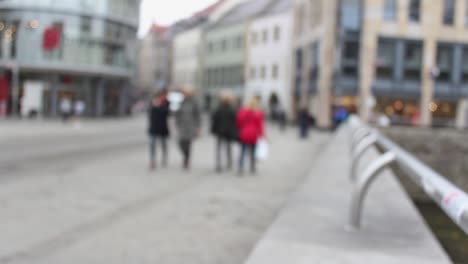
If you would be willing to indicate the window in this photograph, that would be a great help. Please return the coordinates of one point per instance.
(254, 38)
(238, 42)
(445, 62)
(253, 73)
(86, 25)
(350, 11)
(210, 47)
(314, 67)
(263, 73)
(351, 50)
(449, 9)
(413, 61)
(265, 36)
(277, 33)
(390, 9)
(466, 13)
(465, 64)
(223, 45)
(414, 10)
(350, 63)
(386, 55)
(274, 71)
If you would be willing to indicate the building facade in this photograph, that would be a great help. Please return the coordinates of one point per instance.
(155, 60)
(187, 59)
(401, 58)
(225, 49)
(269, 58)
(81, 50)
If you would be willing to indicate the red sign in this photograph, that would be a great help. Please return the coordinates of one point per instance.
(51, 39)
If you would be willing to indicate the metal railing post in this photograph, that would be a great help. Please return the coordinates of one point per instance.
(362, 186)
(358, 136)
(359, 151)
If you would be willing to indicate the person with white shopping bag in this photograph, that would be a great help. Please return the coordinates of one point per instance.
(251, 125)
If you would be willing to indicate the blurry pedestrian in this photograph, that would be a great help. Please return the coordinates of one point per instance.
(78, 109)
(223, 126)
(158, 127)
(65, 108)
(304, 121)
(250, 122)
(281, 117)
(188, 121)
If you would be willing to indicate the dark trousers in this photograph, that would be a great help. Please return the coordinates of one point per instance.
(226, 144)
(153, 147)
(248, 149)
(186, 149)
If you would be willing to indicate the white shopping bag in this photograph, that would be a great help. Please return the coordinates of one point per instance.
(262, 150)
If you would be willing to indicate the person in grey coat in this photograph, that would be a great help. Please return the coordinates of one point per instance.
(188, 122)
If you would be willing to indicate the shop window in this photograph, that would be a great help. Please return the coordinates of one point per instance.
(390, 10)
(445, 62)
(414, 10)
(413, 61)
(449, 12)
(386, 59)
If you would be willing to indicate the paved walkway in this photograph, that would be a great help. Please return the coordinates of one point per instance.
(110, 209)
(311, 227)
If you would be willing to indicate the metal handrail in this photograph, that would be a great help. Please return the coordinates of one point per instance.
(449, 197)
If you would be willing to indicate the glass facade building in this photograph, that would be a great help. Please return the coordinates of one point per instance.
(82, 49)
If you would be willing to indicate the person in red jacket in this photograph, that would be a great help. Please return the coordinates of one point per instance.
(251, 125)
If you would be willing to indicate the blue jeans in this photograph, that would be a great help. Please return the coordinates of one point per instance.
(248, 149)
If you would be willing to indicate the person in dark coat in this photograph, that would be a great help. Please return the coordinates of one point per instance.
(304, 121)
(223, 127)
(158, 127)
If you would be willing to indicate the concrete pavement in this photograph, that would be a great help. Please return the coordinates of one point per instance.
(311, 227)
(105, 207)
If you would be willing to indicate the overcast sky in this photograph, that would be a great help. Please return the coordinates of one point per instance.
(166, 12)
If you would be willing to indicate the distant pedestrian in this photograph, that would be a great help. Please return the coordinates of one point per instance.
(223, 126)
(304, 122)
(78, 108)
(65, 108)
(188, 121)
(158, 127)
(250, 122)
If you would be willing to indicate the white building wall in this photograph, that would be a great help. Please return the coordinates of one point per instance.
(267, 54)
(186, 68)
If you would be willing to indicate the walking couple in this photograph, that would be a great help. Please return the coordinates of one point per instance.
(188, 123)
(245, 126)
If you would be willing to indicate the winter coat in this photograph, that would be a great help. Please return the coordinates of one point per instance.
(223, 122)
(188, 119)
(158, 120)
(251, 126)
